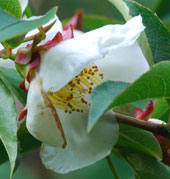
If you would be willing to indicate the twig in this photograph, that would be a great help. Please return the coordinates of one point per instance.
(161, 129)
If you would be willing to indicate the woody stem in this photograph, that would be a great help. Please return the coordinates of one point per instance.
(161, 129)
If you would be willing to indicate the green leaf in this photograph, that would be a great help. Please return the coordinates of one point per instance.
(14, 42)
(12, 79)
(139, 140)
(161, 110)
(12, 7)
(122, 167)
(101, 97)
(143, 41)
(157, 34)
(12, 27)
(27, 142)
(8, 124)
(151, 85)
(127, 109)
(144, 166)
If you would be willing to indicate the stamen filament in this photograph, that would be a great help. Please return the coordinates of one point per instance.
(71, 97)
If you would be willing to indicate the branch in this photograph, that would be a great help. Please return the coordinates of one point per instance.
(161, 129)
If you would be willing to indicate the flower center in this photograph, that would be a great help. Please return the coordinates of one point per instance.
(71, 96)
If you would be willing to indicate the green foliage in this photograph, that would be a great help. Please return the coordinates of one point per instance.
(26, 145)
(139, 140)
(139, 148)
(12, 27)
(101, 97)
(143, 41)
(12, 79)
(122, 167)
(157, 34)
(152, 85)
(143, 165)
(8, 124)
(161, 110)
(12, 7)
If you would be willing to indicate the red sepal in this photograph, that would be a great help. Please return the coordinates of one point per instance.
(22, 86)
(145, 115)
(23, 55)
(52, 43)
(165, 145)
(35, 60)
(68, 34)
(76, 21)
(22, 114)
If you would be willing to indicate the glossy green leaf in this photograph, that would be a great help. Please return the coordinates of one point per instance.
(139, 140)
(12, 27)
(161, 110)
(8, 124)
(123, 169)
(13, 76)
(143, 40)
(101, 97)
(144, 166)
(127, 109)
(11, 79)
(12, 7)
(151, 85)
(158, 35)
(14, 42)
(26, 141)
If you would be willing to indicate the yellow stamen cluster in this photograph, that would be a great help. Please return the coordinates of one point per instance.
(70, 97)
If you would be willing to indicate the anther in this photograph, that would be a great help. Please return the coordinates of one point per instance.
(70, 97)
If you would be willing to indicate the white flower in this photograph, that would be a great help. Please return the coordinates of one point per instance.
(113, 48)
(24, 4)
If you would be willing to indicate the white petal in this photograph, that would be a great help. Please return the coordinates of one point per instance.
(77, 33)
(24, 4)
(82, 149)
(123, 35)
(123, 64)
(40, 120)
(66, 60)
